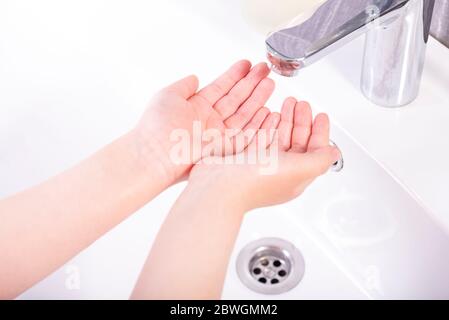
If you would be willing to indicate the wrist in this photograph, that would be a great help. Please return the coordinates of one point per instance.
(149, 156)
(215, 187)
(153, 153)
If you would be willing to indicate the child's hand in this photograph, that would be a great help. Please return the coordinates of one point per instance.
(233, 101)
(299, 152)
(199, 233)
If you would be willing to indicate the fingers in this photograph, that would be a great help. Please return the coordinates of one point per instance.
(267, 131)
(244, 138)
(286, 123)
(258, 98)
(315, 140)
(272, 123)
(221, 86)
(241, 91)
(185, 87)
(233, 143)
(320, 133)
(302, 127)
(315, 163)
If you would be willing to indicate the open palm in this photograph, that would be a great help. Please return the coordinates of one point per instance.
(235, 100)
(296, 147)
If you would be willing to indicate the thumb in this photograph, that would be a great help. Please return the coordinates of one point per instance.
(317, 162)
(185, 87)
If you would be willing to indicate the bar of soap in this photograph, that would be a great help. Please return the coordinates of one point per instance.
(266, 16)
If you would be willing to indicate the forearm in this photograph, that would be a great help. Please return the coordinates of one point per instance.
(43, 227)
(191, 252)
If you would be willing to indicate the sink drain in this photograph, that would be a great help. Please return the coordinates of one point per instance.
(270, 266)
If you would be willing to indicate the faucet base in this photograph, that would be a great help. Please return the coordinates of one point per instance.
(394, 57)
(383, 103)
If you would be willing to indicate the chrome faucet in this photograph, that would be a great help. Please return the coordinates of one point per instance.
(397, 33)
(440, 22)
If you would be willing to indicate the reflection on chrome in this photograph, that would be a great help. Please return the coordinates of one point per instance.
(396, 31)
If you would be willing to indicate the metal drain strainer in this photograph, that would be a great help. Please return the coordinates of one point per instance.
(270, 266)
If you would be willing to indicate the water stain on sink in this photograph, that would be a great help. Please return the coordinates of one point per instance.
(355, 221)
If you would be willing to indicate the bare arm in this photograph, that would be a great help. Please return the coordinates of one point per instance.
(44, 226)
(191, 252)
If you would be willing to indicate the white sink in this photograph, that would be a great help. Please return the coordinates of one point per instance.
(361, 233)
(72, 79)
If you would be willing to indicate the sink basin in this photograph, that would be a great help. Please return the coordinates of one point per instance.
(362, 234)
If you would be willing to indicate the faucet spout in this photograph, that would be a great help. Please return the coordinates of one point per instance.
(396, 31)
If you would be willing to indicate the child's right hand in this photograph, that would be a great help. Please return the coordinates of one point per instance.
(300, 151)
